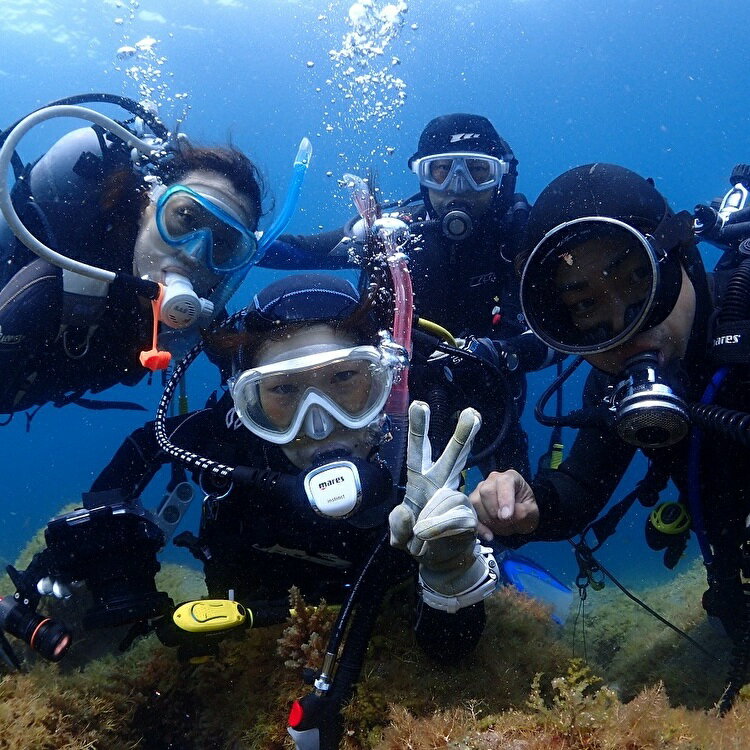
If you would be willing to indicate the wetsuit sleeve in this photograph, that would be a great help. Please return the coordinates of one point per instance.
(572, 496)
(302, 252)
(446, 637)
(139, 457)
(29, 320)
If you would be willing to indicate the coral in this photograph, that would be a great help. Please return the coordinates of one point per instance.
(303, 642)
(44, 712)
(579, 717)
(405, 731)
(520, 639)
(577, 706)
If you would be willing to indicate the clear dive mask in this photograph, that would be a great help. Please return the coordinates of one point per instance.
(315, 392)
(205, 229)
(593, 283)
(460, 172)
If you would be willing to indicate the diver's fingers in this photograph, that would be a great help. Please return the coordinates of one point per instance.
(448, 513)
(505, 504)
(418, 452)
(453, 459)
(485, 501)
(484, 532)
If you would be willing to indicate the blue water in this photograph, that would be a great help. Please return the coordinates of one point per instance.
(656, 86)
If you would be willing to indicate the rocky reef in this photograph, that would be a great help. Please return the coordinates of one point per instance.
(527, 686)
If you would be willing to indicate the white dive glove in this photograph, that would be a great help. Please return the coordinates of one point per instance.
(51, 587)
(436, 523)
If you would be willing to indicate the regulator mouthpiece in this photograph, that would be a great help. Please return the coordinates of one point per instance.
(457, 224)
(648, 413)
(181, 307)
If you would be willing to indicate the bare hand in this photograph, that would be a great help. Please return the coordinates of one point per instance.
(505, 505)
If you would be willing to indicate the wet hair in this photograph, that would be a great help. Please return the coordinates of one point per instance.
(124, 196)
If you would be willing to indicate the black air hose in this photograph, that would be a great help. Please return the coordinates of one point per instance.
(353, 653)
(733, 424)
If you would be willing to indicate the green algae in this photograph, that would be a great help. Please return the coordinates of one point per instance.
(521, 689)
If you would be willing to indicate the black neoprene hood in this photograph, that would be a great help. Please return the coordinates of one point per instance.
(466, 132)
(461, 132)
(596, 190)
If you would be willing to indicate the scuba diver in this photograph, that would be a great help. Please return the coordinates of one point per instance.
(466, 225)
(301, 461)
(142, 239)
(613, 276)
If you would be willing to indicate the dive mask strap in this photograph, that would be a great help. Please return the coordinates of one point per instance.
(673, 231)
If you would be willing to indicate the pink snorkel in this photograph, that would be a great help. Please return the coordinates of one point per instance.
(394, 235)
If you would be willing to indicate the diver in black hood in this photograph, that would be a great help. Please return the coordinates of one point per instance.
(613, 275)
(467, 224)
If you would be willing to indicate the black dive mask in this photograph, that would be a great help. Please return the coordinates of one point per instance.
(340, 486)
(593, 283)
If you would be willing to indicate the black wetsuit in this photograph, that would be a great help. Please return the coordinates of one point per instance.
(41, 362)
(469, 287)
(58, 202)
(259, 545)
(572, 496)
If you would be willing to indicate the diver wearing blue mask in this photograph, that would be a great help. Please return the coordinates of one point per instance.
(143, 239)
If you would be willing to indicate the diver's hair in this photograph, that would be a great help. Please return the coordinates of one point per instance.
(124, 196)
(228, 162)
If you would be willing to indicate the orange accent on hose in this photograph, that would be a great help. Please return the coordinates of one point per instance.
(153, 359)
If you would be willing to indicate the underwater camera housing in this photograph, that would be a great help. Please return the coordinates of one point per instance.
(113, 549)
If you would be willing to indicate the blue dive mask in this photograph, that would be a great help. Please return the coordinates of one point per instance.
(205, 229)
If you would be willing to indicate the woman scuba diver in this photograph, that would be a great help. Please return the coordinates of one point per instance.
(290, 460)
(126, 226)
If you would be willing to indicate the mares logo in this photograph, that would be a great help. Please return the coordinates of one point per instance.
(330, 482)
(730, 339)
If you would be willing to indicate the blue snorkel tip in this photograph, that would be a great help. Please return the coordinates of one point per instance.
(301, 163)
(304, 153)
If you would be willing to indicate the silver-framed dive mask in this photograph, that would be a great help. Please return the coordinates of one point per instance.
(314, 390)
(460, 171)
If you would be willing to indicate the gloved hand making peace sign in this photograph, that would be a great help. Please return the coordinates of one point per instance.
(436, 523)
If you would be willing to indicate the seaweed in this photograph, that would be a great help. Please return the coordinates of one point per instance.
(521, 689)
